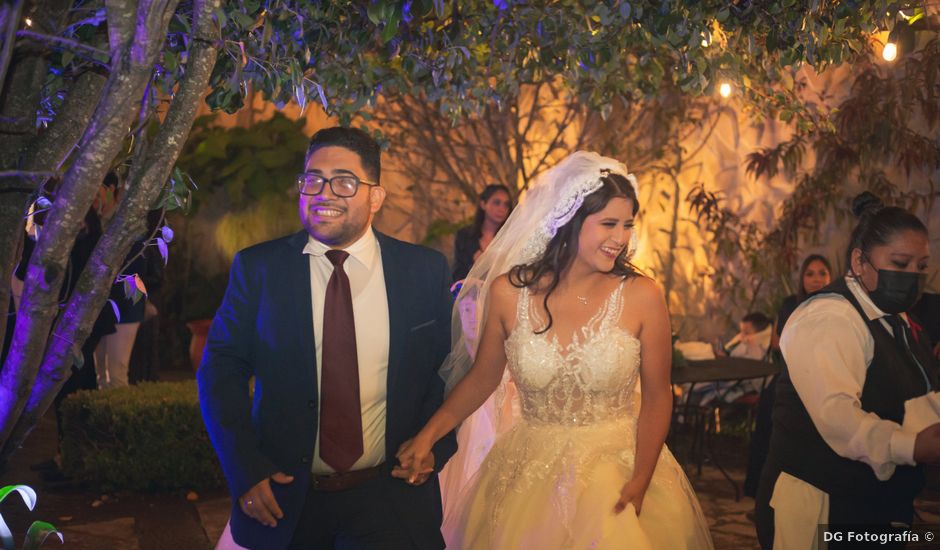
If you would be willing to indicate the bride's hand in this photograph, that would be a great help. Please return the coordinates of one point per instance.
(416, 461)
(632, 492)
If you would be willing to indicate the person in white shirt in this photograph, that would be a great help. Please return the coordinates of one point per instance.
(838, 453)
(752, 342)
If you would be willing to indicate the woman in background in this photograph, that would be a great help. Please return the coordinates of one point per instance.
(493, 209)
(815, 274)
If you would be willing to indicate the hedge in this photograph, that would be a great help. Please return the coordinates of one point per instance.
(144, 437)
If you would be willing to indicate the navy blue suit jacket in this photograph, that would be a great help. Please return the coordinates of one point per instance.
(264, 329)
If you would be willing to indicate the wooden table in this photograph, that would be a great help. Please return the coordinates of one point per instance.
(721, 369)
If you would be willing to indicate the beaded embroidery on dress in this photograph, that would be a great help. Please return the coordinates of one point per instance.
(553, 479)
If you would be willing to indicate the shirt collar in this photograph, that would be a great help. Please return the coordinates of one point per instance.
(871, 310)
(365, 250)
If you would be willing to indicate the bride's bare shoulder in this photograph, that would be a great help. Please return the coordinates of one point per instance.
(503, 300)
(503, 289)
(643, 289)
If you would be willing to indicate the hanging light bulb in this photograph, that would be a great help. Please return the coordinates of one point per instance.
(890, 51)
(29, 22)
(724, 89)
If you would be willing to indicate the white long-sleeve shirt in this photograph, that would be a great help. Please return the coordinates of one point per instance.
(828, 348)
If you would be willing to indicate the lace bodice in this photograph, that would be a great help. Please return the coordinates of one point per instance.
(590, 380)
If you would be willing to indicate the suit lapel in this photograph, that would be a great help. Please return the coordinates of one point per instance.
(395, 289)
(297, 282)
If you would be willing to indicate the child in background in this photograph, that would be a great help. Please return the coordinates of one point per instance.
(752, 342)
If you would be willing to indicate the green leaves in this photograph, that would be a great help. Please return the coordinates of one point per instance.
(248, 163)
(144, 437)
(177, 194)
(37, 534)
(345, 54)
(38, 531)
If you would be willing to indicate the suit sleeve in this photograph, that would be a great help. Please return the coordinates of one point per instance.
(434, 396)
(224, 384)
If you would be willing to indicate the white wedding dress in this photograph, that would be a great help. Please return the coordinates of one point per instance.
(553, 479)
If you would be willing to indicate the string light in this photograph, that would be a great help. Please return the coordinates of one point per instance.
(724, 89)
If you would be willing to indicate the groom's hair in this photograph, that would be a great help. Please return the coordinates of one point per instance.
(563, 247)
(355, 140)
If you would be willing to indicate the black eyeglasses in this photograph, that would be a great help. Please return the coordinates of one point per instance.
(309, 183)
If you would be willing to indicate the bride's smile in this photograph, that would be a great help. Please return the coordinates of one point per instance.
(605, 234)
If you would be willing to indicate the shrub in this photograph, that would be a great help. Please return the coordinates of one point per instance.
(144, 437)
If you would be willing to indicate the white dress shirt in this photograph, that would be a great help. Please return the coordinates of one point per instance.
(370, 312)
(828, 349)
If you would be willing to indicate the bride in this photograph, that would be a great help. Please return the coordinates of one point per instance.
(585, 466)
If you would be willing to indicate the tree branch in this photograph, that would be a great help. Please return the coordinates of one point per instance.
(66, 43)
(25, 174)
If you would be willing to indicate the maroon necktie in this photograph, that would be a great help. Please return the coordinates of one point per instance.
(340, 416)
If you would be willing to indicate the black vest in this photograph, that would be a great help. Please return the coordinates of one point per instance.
(891, 379)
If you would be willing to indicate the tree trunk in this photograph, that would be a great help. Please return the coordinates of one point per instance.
(49, 150)
(9, 20)
(131, 67)
(18, 112)
(21, 149)
(147, 179)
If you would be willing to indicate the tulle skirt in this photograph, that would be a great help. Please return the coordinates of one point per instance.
(555, 486)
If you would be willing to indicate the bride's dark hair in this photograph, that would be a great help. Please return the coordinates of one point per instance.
(562, 249)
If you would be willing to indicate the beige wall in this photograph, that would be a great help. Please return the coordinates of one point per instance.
(696, 310)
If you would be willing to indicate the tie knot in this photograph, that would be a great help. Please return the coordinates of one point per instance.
(897, 326)
(337, 257)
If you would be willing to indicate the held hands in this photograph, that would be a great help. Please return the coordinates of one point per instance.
(416, 461)
(258, 503)
(927, 445)
(631, 493)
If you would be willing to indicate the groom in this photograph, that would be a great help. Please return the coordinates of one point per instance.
(343, 330)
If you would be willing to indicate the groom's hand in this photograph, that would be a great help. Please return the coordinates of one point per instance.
(416, 462)
(259, 503)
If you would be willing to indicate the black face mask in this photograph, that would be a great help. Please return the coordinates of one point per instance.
(897, 291)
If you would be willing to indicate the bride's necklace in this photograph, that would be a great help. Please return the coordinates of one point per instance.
(582, 299)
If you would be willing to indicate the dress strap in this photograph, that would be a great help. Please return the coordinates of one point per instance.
(614, 305)
(522, 307)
